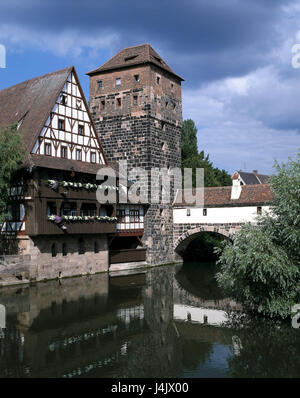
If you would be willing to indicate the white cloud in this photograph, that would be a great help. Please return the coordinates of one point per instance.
(62, 43)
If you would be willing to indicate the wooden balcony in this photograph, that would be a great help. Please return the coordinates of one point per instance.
(65, 193)
(47, 227)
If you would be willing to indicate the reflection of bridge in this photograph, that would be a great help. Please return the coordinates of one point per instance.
(182, 296)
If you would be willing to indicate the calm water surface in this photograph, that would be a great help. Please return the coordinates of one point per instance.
(170, 321)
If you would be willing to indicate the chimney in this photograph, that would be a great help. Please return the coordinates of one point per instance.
(236, 189)
(255, 172)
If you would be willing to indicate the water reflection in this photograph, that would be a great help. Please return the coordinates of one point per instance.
(166, 322)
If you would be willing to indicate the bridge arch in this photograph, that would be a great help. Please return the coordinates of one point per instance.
(190, 234)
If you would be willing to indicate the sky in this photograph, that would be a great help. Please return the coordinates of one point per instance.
(240, 87)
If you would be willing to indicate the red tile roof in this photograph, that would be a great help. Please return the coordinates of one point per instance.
(137, 55)
(251, 195)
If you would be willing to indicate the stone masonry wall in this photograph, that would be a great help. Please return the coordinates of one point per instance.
(37, 262)
(140, 121)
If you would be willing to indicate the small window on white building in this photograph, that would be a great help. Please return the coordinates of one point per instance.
(81, 129)
(118, 81)
(63, 152)
(47, 149)
(259, 210)
(78, 154)
(188, 212)
(205, 212)
(61, 124)
(63, 99)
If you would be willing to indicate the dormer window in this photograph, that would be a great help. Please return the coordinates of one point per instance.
(118, 81)
(61, 124)
(130, 58)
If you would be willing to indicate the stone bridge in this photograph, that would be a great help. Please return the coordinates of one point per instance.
(184, 234)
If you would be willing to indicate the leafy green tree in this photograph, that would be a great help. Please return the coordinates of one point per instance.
(191, 158)
(11, 155)
(261, 267)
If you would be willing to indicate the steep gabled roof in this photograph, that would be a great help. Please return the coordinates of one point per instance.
(137, 55)
(251, 195)
(32, 101)
(250, 178)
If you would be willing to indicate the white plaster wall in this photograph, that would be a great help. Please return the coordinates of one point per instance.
(217, 215)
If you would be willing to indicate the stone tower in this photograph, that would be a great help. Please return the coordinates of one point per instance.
(135, 101)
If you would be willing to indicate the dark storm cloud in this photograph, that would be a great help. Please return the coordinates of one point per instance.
(216, 38)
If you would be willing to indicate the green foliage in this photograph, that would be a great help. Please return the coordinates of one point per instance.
(191, 158)
(261, 267)
(11, 154)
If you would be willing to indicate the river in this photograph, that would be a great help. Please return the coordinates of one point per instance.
(170, 321)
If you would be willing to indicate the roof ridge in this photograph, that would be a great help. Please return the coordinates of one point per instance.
(39, 77)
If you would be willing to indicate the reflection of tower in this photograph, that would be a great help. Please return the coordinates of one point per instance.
(2, 320)
(135, 101)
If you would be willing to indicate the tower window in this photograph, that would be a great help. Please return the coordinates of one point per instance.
(163, 126)
(81, 129)
(100, 84)
(78, 154)
(93, 157)
(167, 103)
(63, 151)
(135, 100)
(61, 124)
(137, 78)
(103, 104)
(119, 101)
(163, 146)
(174, 106)
(118, 81)
(158, 79)
(47, 149)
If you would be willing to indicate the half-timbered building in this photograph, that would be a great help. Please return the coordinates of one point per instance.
(54, 215)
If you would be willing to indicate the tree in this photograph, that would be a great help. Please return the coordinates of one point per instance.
(11, 155)
(261, 267)
(191, 158)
